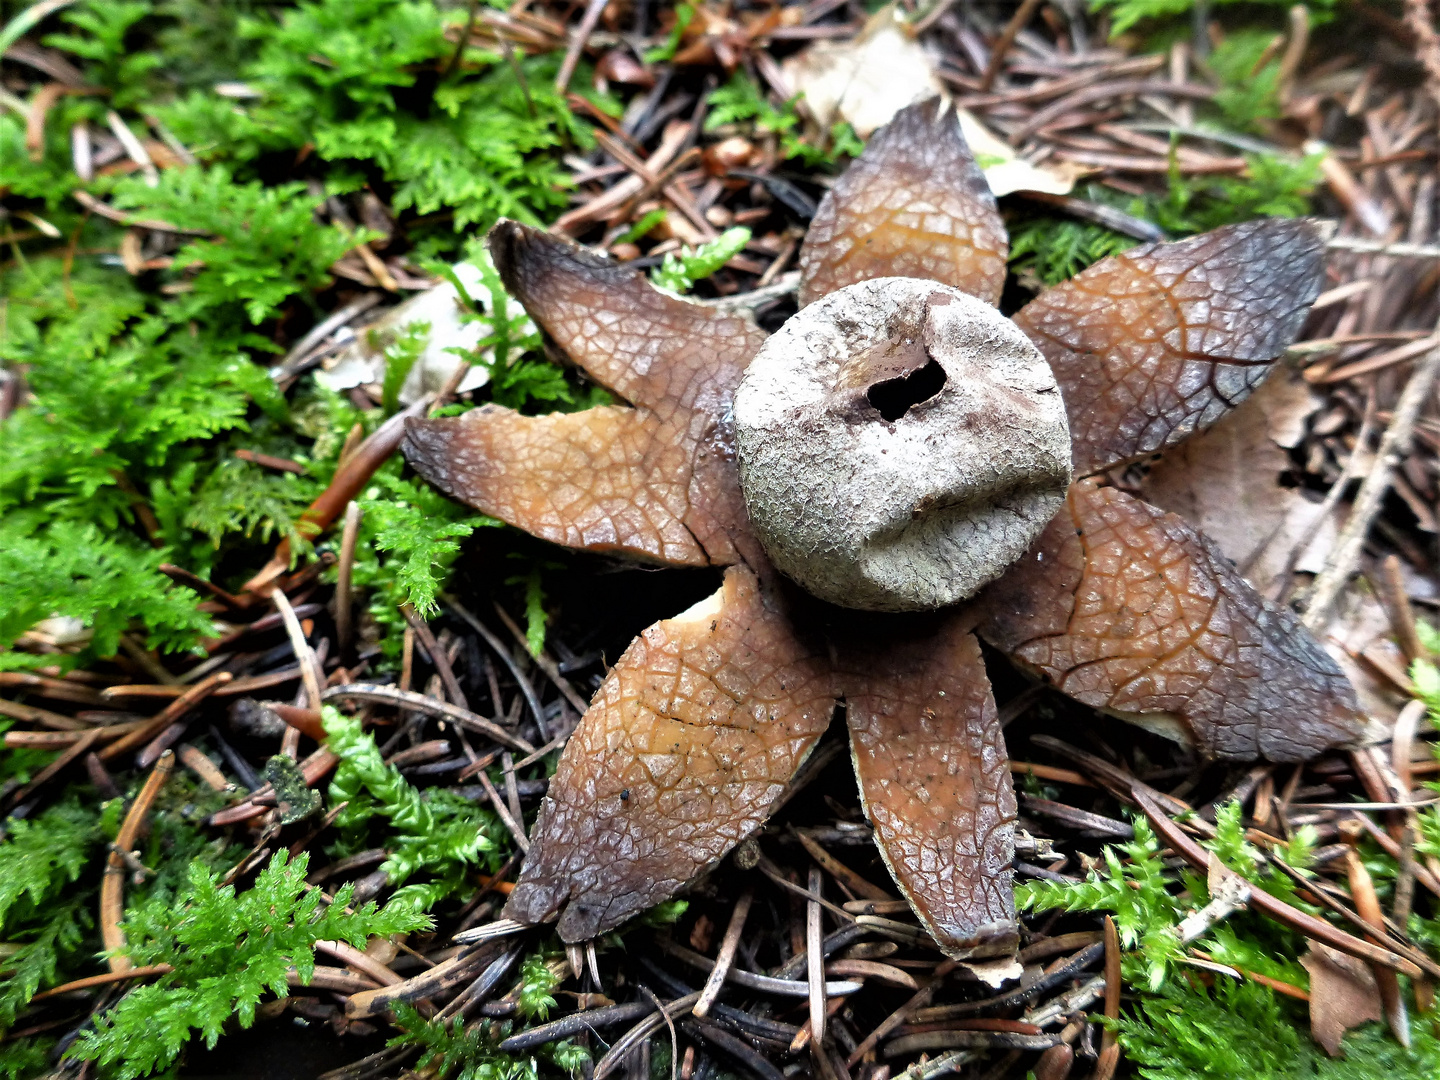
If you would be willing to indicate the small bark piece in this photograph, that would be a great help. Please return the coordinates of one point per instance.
(684, 751)
(1155, 344)
(930, 759)
(914, 204)
(654, 482)
(1128, 609)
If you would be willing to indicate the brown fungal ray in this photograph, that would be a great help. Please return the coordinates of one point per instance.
(610, 479)
(1157, 343)
(682, 754)
(656, 482)
(934, 778)
(652, 349)
(1127, 608)
(914, 204)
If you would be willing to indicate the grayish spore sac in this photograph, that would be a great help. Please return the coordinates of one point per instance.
(900, 444)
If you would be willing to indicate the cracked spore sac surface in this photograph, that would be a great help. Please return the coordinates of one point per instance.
(914, 204)
(935, 781)
(1126, 608)
(656, 481)
(687, 745)
(910, 514)
(1160, 342)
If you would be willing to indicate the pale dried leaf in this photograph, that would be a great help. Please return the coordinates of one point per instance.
(1226, 482)
(866, 80)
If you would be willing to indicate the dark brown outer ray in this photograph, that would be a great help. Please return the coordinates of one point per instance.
(1127, 608)
(685, 749)
(610, 479)
(652, 349)
(656, 482)
(935, 780)
(1159, 342)
(914, 204)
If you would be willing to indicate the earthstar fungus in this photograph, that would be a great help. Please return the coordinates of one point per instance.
(697, 730)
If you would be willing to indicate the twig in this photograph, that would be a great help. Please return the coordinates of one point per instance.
(545, 662)
(1402, 615)
(1052, 978)
(621, 1049)
(589, 1020)
(1345, 555)
(344, 576)
(498, 646)
(669, 1023)
(299, 352)
(788, 283)
(203, 767)
(921, 999)
(716, 980)
(1091, 94)
(77, 750)
(366, 964)
(172, 712)
(438, 658)
(588, 21)
(104, 980)
(1262, 901)
(1367, 906)
(1007, 37)
(408, 699)
(517, 830)
(856, 884)
(303, 653)
(813, 936)
(112, 886)
(764, 983)
(348, 481)
(1398, 249)
(1109, 1047)
(444, 976)
(33, 714)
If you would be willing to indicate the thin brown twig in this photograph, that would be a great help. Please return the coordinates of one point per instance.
(588, 22)
(103, 980)
(1262, 901)
(517, 830)
(438, 659)
(303, 653)
(726, 956)
(172, 712)
(112, 887)
(344, 631)
(348, 481)
(408, 699)
(814, 935)
(1109, 1046)
(1007, 37)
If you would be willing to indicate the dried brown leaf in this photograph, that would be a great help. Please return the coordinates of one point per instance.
(1226, 481)
(1343, 995)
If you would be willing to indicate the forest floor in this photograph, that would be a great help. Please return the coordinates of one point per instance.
(205, 533)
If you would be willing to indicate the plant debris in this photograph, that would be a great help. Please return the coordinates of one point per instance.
(209, 559)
